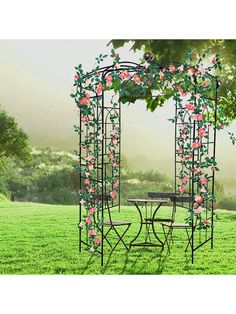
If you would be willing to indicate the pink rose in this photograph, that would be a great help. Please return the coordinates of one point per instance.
(181, 189)
(197, 116)
(99, 88)
(183, 135)
(84, 101)
(213, 61)
(124, 75)
(112, 194)
(114, 140)
(202, 132)
(113, 132)
(86, 181)
(97, 240)
(204, 84)
(81, 224)
(198, 210)
(203, 181)
(111, 156)
(90, 166)
(181, 68)
(90, 157)
(116, 185)
(114, 164)
(91, 233)
(180, 150)
(201, 69)
(180, 89)
(198, 199)
(109, 79)
(196, 145)
(90, 190)
(190, 106)
(137, 79)
(190, 71)
(76, 76)
(88, 220)
(161, 75)
(203, 190)
(206, 222)
(84, 119)
(197, 96)
(172, 68)
(92, 210)
(184, 179)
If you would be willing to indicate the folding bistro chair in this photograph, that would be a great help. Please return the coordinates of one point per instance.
(173, 225)
(112, 225)
(164, 195)
(153, 218)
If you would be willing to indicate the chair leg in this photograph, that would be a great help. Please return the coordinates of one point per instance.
(189, 240)
(166, 238)
(105, 237)
(120, 237)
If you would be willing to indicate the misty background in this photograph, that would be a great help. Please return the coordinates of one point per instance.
(36, 79)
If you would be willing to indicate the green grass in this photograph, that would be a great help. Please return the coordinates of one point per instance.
(43, 239)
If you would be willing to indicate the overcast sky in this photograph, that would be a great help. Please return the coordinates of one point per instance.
(36, 79)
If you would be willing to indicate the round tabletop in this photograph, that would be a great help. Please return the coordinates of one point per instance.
(149, 200)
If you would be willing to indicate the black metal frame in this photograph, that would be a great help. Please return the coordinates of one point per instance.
(210, 144)
(101, 114)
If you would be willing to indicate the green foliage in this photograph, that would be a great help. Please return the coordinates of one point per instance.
(137, 184)
(43, 239)
(13, 140)
(171, 51)
(228, 202)
(48, 177)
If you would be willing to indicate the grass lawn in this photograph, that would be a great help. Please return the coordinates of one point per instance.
(43, 239)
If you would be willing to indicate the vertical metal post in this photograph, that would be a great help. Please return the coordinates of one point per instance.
(193, 165)
(213, 175)
(102, 166)
(175, 146)
(119, 151)
(80, 180)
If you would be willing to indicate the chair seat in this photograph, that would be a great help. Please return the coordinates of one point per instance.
(117, 223)
(159, 219)
(176, 225)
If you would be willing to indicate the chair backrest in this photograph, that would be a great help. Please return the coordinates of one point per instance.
(162, 194)
(180, 199)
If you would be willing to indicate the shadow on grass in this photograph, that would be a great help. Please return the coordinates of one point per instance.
(130, 262)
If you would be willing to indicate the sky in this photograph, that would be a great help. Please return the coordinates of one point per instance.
(36, 79)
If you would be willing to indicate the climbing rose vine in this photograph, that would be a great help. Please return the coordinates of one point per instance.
(192, 84)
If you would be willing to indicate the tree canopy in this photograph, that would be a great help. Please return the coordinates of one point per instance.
(13, 140)
(175, 51)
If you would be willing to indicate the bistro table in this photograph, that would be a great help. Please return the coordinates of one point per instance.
(147, 221)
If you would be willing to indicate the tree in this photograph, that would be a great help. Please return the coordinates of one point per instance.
(175, 50)
(13, 140)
